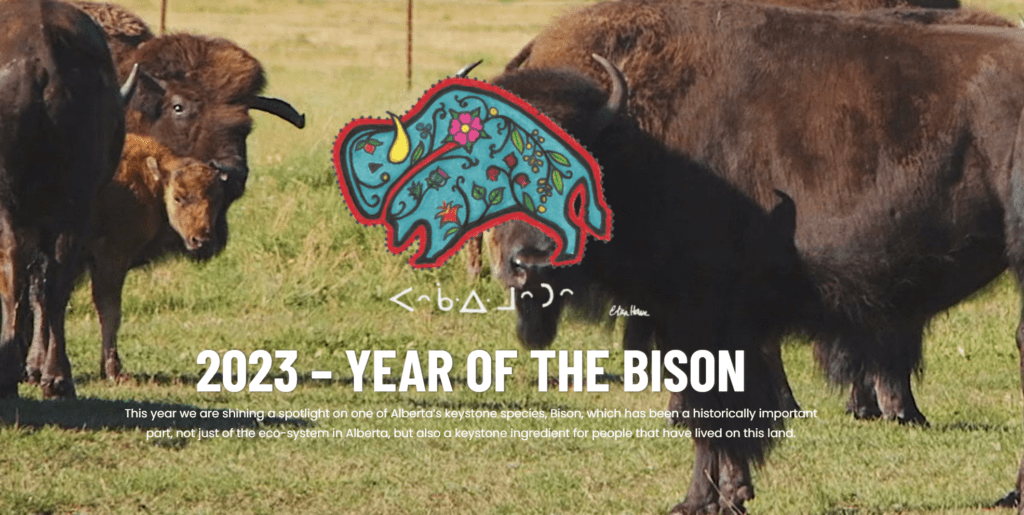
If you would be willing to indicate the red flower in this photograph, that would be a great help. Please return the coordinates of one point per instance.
(522, 180)
(448, 213)
(369, 148)
(492, 173)
(511, 161)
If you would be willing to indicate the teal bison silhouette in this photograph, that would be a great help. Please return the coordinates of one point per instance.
(469, 156)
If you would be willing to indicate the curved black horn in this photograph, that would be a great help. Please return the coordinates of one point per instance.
(128, 88)
(468, 68)
(279, 108)
(617, 99)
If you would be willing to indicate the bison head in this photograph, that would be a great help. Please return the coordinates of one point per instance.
(522, 252)
(193, 196)
(194, 97)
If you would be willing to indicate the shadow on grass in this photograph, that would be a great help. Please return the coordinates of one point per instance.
(980, 506)
(96, 414)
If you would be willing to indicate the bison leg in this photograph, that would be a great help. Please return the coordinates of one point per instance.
(773, 355)
(863, 404)
(108, 275)
(901, 354)
(12, 357)
(702, 499)
(60, 270)
(474, 256)
(1014, 497)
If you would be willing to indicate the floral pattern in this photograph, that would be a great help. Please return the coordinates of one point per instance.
(463, 169)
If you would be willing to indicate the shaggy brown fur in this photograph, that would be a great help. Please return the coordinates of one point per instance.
(899, 156)
(194, 96)
(647, 31)
(727, 278)
(124, 29)
(153, 197)
(63, 125)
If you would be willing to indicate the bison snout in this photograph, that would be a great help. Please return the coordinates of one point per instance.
(196, 242)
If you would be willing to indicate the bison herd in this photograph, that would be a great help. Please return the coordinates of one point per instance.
(839, 169)
(65, 202)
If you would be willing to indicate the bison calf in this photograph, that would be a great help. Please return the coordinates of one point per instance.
(154, 197)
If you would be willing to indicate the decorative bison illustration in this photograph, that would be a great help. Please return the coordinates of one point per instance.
(478, 156)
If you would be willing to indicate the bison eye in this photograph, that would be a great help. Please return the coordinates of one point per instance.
(178, 200)
(178, 108)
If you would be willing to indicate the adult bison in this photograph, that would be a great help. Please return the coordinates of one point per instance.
(902, 156)
(670, 54)
(713, 270)
(194, 97)
(61, 131)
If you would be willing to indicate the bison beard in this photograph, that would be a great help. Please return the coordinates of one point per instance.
(711, 267)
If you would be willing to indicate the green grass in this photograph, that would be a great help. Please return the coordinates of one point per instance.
(300, 274)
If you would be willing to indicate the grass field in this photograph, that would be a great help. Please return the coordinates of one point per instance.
(300, 274)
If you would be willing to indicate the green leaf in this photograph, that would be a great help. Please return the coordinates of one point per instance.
(558, 158)
(528, 203)
(496, 196)
(454, 114)
(478, 191)
(556, 180)
(418, 153)
(517, 140)
(451, 231)
(475, 113)
(374, 142)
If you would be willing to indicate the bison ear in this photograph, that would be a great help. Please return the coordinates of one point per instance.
(152, 166)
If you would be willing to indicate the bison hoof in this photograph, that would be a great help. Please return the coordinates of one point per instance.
(111, 370)
(863, 411)
(33, 376)
(59, 388)
(1012, 500)
(916, 419)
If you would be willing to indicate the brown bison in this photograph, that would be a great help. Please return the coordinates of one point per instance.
(154, 196)
(881, 380)
(713, 270)
(61, 131)
(901, 157)
(194, 97)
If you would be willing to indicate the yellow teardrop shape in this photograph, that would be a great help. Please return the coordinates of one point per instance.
(400, 147)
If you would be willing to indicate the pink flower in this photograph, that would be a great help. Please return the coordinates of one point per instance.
(466, 128)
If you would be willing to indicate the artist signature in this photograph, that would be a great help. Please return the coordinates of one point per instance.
(618, 311)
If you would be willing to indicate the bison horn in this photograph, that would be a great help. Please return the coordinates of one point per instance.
(279, 108)
(617, 99)
(128, 88)
(468, 68)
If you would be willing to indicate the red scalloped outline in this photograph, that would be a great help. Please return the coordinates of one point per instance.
(420, 231)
